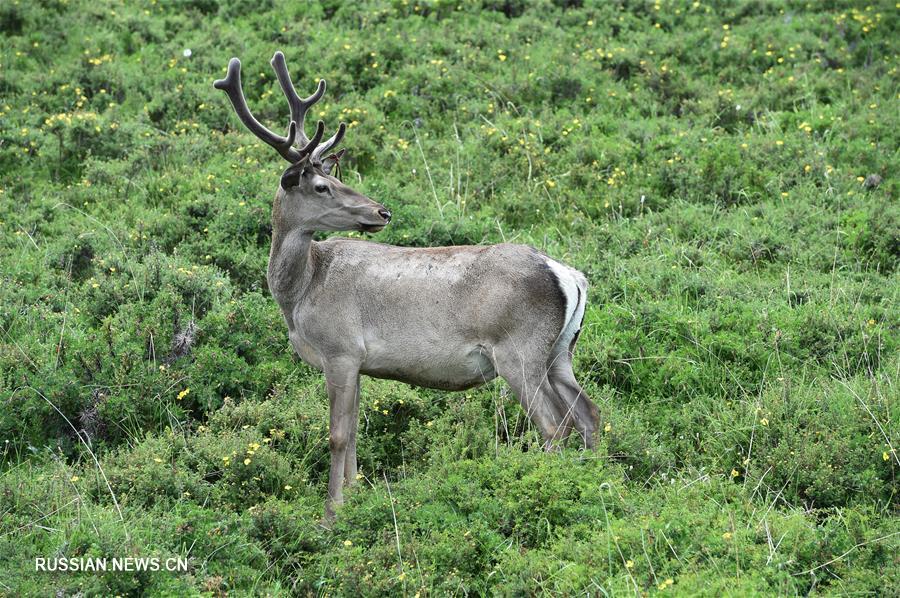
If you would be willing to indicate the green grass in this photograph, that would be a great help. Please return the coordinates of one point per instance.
(723, 172)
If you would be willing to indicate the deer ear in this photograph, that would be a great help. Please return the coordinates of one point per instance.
(329, 162)
(291, 176)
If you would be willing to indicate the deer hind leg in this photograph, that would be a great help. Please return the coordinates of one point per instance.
(585, 415)
(573, 400)
(528, 380)
(342, 379)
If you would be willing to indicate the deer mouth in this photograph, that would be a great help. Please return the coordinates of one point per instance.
(371, 228)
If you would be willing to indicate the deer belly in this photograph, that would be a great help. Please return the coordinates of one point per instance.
(444, 368)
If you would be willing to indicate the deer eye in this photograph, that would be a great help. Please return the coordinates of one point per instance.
(321, 188)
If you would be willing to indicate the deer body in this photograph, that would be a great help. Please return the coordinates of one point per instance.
(452, 306)
(447, 317)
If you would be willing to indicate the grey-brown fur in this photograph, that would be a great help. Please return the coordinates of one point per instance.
(445, 317)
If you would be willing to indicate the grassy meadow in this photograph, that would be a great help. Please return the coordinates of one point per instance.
(724, 173)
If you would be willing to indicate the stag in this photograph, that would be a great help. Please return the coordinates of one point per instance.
(442, 317)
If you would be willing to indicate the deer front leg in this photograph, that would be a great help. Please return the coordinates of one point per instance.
(342, 379)
(350, 459)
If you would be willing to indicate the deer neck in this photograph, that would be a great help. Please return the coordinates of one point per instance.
(290, 265)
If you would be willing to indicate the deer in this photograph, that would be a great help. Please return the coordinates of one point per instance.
(448, 318)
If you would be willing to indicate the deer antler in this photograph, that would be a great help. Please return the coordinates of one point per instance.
(327, 145)
(300, 106)
(231, 85)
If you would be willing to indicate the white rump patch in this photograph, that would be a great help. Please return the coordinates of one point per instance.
(574, 287)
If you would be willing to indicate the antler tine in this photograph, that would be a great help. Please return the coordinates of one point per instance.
(316, 138)
(331, 143)
(299, 106)
(231, 85)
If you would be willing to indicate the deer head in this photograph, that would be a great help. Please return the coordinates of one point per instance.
(309, 198)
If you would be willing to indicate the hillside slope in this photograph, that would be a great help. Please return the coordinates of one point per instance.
(723, 172)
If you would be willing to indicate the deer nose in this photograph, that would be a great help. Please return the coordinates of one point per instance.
(386, 214)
